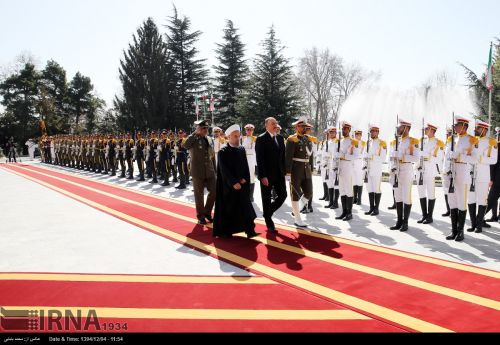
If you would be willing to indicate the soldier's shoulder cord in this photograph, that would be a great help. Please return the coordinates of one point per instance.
(473, 140)
(493, 143)
(293, 138)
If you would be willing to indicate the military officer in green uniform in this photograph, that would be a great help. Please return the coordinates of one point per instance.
(200, 148)
(298, 152)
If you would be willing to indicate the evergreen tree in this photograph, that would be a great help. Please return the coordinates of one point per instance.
(189, 72)
(231, 75)
(20, 97)
(146, 76)
(273, 90)
(80, 98)
(481, 93)
(53, 106)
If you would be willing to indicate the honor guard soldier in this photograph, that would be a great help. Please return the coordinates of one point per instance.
(349, 150)
(487, 155)
(376, 154)
(219, 141)
(111, 154)
(140, 146)
(431, 160)
(358, 164)
(298, 152)
(330, 163)
(182, 158)
(321, 164)
(120, 154)
(445, 177)
(164, 157)
(405, 154)
(129, 155)
(463, 152)
(153, 147)
(248, 142)
(173, 156)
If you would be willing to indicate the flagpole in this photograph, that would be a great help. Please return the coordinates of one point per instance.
(490, 87)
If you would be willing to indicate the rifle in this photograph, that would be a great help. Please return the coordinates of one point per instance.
(497, 130)
(337, 158)
(421, 167)
(452, 164)
(396, 159)
(367, 159)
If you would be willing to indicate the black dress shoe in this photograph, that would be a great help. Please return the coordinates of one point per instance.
(272, 230)
(209, 219)
(202, 221)
(252, 234)
(492, 220)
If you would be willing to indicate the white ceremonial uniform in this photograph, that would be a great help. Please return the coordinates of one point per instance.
(31, 148)
(219, 143)
(407, 154)
(358, 164)
(375, 158)
(248, 142)
(346, 167)
(430, 166)
(465, 153)
(330, 154)
(446, 171)
(487, 154)
(320, 146)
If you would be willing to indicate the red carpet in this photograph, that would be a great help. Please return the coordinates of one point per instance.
(438, 307)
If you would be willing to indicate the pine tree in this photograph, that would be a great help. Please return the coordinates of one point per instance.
(273, 90)
(53, 105)
(20, 93)
(231, 75)
(189, 72)
(146, 77)
(80, 99)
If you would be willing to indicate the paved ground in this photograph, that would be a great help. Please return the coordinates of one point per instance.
(481, 250)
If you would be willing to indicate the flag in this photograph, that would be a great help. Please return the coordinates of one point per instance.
(212, 103)
(489, 72)
(197, 106)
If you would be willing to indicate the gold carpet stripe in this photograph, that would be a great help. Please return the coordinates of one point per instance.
(136, 278)
(203, 314)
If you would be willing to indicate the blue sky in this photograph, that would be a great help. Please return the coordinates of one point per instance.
(405, 40)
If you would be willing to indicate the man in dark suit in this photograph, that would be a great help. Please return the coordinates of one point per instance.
(270, 151)
(495, 188)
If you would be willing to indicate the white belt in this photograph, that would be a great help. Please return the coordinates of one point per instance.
(249, 154)
(301, 160)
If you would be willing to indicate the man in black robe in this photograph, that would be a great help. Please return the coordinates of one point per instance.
(234, 211)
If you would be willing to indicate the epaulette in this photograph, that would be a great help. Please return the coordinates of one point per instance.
(254, 138)
(312, 139)
(473, 140)
(493, 143)
(393, 143)
(414, 141)
(355, 142)
(383, 144)
(440, 144)
(293, 138)
(363, 143)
